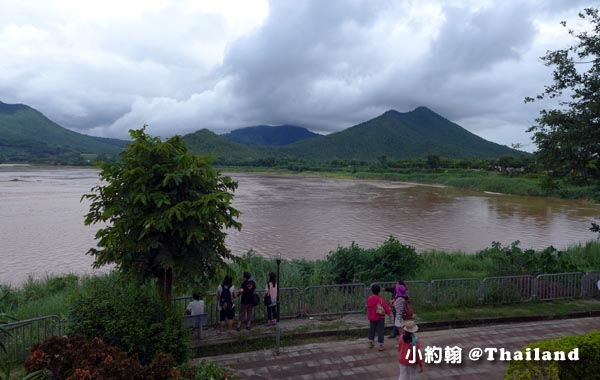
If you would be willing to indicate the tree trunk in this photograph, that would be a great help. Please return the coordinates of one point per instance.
(165, 284)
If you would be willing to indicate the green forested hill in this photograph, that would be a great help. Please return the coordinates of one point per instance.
(26, 135)
(205, 142)
(396, 135)
(265, 135)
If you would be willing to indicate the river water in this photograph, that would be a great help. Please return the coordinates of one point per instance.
(42, 230)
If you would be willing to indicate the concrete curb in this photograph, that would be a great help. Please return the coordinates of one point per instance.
(360, 331)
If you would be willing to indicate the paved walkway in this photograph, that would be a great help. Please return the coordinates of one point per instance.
(351, 359)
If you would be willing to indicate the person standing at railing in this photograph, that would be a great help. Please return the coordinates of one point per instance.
(377, 309)
(271, 300)
(395, 290)
(400, 298)
(247, 302)
(225, 304)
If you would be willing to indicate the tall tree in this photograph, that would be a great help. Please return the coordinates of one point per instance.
(164, 210)
(568, 138)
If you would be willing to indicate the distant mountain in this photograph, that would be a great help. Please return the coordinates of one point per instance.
(393, 134)
(265, 135)
(26, 135)
(205, 142)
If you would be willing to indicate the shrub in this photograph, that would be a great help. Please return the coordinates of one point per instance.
(587, 367)
(129, 316)
(391, 261)
(512, 260)
(204, 370)
(76, 358)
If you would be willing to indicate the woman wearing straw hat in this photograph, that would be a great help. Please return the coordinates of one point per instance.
(409, 352)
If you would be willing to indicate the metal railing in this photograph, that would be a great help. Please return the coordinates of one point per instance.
(334, 299)
(22, 335)
(340, 299)
(558, 286)
(454, 291)
(590, 285)
(506, 289)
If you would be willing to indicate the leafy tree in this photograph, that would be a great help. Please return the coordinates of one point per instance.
(165, 211)
(568, 138)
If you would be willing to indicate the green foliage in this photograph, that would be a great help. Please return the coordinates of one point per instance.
(512, 260)
(4, 365)
(204, 370)
(77, 358)
(28, 136)
(166, 211)
(587, 367)
(568, 138)
(36, 297)
(391, 261)
(129, 316)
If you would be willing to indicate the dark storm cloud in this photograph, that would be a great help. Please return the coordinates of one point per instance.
(325, 65)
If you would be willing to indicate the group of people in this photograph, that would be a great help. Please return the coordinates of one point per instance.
(249, 299)
(227, 292)
(409, 347)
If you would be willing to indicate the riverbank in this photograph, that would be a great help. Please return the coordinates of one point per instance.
(53, 295)
(467, 179)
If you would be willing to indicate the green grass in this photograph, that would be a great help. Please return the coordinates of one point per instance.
(526, 309)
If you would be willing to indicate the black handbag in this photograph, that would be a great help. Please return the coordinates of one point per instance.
(267, 300)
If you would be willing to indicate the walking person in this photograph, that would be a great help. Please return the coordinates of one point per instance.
(271, 297)
(409, 352)
(225, 304)
(247, 302)
(377, 309)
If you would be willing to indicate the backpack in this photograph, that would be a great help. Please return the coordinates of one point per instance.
(379, 310)
(407, 311)
(225, 300)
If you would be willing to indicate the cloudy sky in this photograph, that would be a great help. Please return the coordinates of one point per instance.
(104, 67)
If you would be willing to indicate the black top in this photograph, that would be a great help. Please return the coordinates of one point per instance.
(247, 288)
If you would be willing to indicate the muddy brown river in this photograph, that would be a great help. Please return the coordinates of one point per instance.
(42, 231)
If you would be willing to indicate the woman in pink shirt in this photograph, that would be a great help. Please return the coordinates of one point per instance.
(377, 309)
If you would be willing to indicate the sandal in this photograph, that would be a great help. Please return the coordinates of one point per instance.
(381, 348)
(371, 345)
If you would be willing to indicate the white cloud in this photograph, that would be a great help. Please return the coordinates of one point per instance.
(179, 66)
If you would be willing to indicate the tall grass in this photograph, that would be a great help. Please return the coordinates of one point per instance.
(37, 297)
(440, 264)
(53, 295)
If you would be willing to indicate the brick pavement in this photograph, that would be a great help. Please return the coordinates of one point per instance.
(351, 359)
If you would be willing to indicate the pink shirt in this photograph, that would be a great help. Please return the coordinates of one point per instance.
(272, 291)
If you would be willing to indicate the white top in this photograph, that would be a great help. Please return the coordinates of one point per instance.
(231, 290)
(196, 307)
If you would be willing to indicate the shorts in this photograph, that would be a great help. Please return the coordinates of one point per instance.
(226, 314)
(246, 313)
